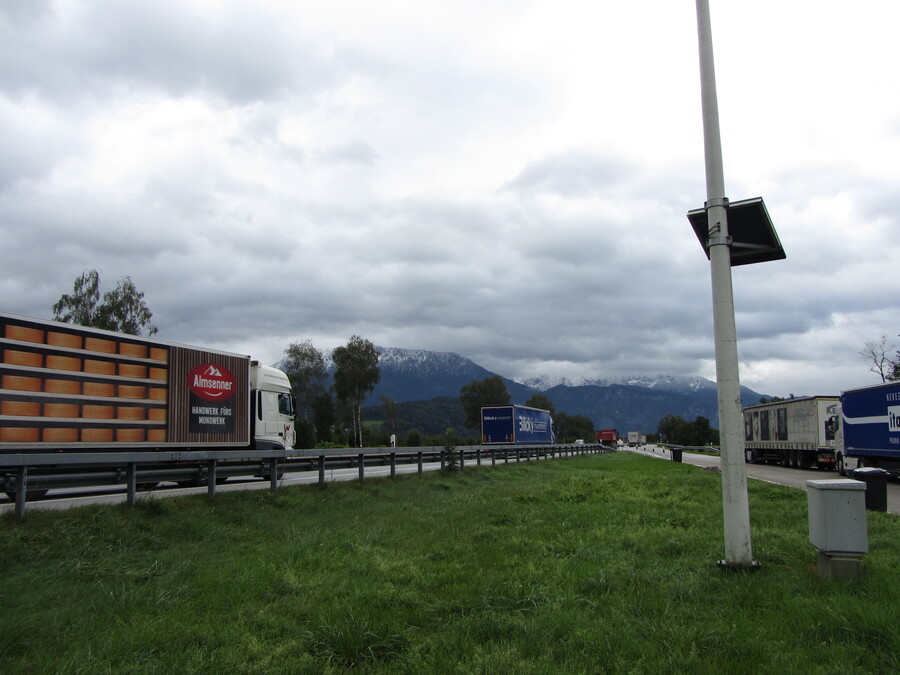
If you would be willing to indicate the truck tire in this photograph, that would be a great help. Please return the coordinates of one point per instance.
(201, 482)
(30, 495)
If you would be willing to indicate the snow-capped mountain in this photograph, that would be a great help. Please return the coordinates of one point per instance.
(673, 383)
(421, 375)
(636, 403)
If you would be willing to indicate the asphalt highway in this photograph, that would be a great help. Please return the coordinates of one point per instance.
(62, 499)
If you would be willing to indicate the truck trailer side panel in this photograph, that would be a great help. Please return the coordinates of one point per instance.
(516, 424)
(870, 429)
(794, 432)
(64, 386)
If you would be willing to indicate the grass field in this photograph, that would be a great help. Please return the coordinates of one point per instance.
(603, 563)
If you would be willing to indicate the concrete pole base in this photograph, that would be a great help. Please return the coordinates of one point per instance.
(840, 566)
(739, 567)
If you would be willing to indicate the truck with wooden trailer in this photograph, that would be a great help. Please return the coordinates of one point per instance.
(78, 403)
(797, 432)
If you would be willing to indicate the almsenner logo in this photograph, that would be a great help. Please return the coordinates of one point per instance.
(211, 382)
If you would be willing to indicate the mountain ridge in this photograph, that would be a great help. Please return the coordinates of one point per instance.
(626, 403)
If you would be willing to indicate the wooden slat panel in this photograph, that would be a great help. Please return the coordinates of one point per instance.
(66, 385)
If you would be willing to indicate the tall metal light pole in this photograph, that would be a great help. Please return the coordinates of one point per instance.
(736, 507)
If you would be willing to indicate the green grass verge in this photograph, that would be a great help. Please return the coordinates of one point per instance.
(603, 563)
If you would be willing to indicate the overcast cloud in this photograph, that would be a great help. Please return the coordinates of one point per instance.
(505, 180)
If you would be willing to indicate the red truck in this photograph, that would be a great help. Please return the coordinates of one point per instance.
(607, 436)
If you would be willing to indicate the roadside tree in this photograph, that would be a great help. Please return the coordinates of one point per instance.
(477, 394)
(876, 355)
(541, 402)
(356, 374)
(122, 310)
(570, 428)
(305, 366)
(391, 413)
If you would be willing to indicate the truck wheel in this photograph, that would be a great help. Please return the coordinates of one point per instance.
(201, 482)
(194, 482)
(30, 495)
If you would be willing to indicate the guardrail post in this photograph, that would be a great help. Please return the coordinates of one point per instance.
(211, 487)
(419, 458)
(21, 491)
(493, 458)
(131, 483)
(506, 455)
(362, 467)
(462, 459)
(478, 457)
(518, 454)
(443, 460)
(393, 465)
(321, 469)
(273, 475)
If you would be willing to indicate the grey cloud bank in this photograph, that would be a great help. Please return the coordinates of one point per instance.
(512, 189)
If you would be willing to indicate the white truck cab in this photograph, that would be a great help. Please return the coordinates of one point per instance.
(272, 406)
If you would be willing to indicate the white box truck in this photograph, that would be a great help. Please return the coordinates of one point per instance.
(797, 432)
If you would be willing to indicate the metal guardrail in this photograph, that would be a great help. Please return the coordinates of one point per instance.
(27, 475)
(343, 458)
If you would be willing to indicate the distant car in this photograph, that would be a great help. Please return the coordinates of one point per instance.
(580, 441)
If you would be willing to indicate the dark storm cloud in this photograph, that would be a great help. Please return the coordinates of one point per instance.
(510, 189)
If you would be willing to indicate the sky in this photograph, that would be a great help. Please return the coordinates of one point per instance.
(507, 180)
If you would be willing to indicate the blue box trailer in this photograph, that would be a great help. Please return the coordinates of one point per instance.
(517, 424)
(869, 433)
